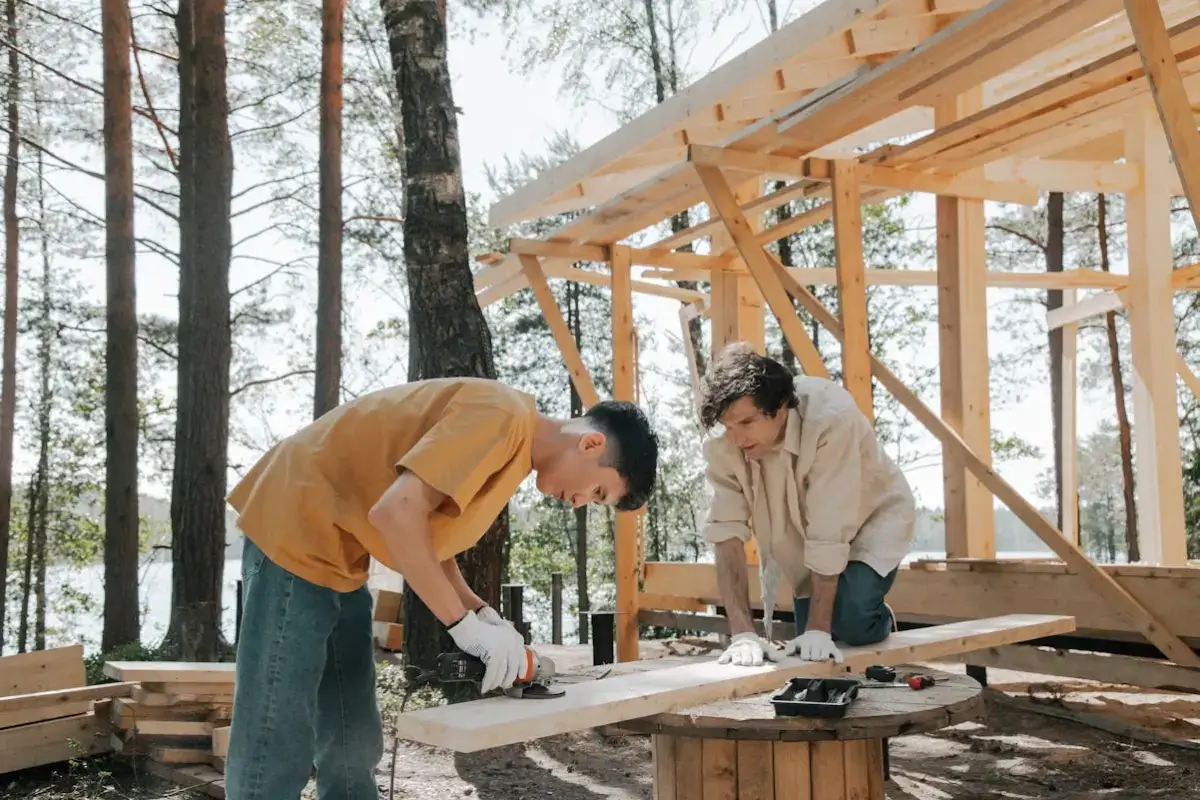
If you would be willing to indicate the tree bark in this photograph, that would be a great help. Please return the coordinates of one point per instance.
(1054, 299)
(202, 423)
(39, 501)
(449, 336)
(12, 244)
(121, 623)
(581, 514)
(1124, 430)
(327, 394)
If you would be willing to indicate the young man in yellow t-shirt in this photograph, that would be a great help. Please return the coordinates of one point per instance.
(410, 476)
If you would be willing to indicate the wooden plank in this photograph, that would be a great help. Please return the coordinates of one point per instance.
(496, 721)
(903, 276)
(624, 378)
(1160, 506)
(828, 771)
(793, 772)
(1189, 377)
(963, 359)
(875, 781)
(719, 759)
(170, 671)
(64, 697)
(42, 670)
(724, 204)
(387, 605)
(689, 769)
(664, 767)
(852, 289)
(856, 755)
(388, 636)
(173, 728)
(220, 741)
(55, 741)
(1170, 95)
(1145, 622)
(1072, 313)
(558, 327)
(1101, 667)
(755, 771)
(199, 777)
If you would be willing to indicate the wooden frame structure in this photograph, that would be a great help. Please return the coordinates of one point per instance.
(858, 101)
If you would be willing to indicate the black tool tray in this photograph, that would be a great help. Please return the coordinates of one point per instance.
(791, 702)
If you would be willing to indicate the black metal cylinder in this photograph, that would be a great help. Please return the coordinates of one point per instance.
(603, 637)
(556, 590)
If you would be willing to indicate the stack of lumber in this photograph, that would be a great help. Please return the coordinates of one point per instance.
(47, 712)
(387, 626)
(177, 715)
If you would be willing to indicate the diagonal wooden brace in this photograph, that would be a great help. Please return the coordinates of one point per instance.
(1142, 618)
(725, 205)
(1170, 95)
(558, 326)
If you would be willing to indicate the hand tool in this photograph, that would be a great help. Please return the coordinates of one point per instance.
(533, 680)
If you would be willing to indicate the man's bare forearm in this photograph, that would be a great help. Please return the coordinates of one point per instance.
(820, 607)
(464, 591)
(734, 584)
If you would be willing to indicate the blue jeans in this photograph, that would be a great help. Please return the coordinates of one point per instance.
(860, 616)
(305, 689)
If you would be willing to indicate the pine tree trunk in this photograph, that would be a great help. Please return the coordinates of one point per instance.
(329, 236)
(39, 585)
(1124, 430)
(121, 386)
(1054, 299)
(581, 514)
(12, 244)
(202, 424)
(449, 336)
(39, 500)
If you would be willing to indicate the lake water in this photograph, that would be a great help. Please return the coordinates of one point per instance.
(82, 623)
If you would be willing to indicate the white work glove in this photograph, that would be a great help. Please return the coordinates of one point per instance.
(747, 650)
(488, 614)
(814, 646)
(492, 644)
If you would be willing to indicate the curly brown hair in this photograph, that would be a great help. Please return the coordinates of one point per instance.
(739, 372)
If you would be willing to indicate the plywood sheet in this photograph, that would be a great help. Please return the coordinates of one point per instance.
(497, 721)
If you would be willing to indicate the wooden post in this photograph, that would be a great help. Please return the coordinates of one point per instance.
(1069, 444)
(750, 320)
(1152, 329)
(962, 324)
(623, 386)
(851, 282)
(556, 591)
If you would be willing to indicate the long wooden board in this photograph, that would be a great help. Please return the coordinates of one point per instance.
(170, 671)
(42, 671)
(497, 721)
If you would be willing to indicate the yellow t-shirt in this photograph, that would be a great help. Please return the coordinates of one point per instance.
(305, 502)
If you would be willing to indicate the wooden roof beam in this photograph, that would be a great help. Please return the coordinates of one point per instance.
(826, 276)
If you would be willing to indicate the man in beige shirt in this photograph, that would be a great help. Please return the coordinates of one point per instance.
(798, 466)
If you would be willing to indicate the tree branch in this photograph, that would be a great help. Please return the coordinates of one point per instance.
(1019, 234)
(373, 218)
(264, 381)
(146, 93)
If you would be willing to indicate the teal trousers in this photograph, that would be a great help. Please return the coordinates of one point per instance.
(305, 690)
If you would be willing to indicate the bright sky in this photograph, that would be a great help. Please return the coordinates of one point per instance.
(504, 114)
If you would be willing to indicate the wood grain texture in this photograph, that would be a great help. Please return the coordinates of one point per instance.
(170, 671)
(496, 721)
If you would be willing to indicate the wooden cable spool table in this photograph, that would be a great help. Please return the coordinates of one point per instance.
(740, 750)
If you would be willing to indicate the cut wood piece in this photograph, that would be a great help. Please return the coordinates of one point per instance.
(724, 204)
(492, 722)
(852, 288)
(387, 605)
(202, 778)
(1103, 667)
(1170, 95)
(43, 670)
(63, 697)
(55, 741)
(173, 728)
(170, 671)
(149, 698)
(624, 368)
(187, 688)
(1146, 622)
(388, 635)
(180, 755)
(220, 741)
(578, 371)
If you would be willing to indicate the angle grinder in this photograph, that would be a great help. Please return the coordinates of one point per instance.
(532, 683)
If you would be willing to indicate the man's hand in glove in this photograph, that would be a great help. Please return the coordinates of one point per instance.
(814, 646)
(494, 645)
(488, 614)
(747, 650)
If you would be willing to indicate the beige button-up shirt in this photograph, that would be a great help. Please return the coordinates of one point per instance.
(828, 494)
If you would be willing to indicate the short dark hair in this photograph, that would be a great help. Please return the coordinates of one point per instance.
(739, 372)
(631, 449)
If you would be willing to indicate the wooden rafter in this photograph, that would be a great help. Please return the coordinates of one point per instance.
(580, 376)
(1170, 95)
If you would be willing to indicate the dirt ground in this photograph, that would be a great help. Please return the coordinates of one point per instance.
(1010, 753)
